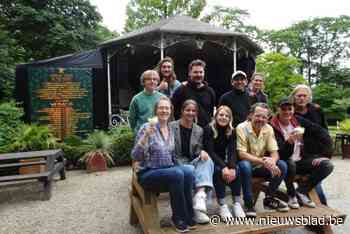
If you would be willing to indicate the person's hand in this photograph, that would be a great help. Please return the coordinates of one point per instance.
(204, 155)
(269, 163)
(275, 171)
(294, 137)
(316, 162)
(163, 85)
(228, 174)
(149, 130)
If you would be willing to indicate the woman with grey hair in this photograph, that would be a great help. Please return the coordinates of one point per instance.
(301, 98)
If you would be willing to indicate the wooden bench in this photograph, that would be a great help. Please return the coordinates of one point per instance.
(51, 162)
(146, 209)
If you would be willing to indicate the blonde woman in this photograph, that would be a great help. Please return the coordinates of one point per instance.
(219, 142)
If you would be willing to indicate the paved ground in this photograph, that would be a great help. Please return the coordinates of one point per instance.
(98, 203)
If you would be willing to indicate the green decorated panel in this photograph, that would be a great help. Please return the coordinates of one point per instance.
(62, 99)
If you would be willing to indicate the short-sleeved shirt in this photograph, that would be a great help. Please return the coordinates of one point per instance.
(248, 141)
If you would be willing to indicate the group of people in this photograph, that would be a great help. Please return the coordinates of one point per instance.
(210, 148)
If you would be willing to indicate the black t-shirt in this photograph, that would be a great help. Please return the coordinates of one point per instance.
(185, 141)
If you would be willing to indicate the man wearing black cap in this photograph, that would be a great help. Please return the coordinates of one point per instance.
(296, 138)
(238, 98)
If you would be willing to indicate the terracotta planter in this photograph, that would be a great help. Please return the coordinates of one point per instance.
(31, 169)
(96, 163)
(346, 151)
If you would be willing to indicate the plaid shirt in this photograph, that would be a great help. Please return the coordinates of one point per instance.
(157, 152)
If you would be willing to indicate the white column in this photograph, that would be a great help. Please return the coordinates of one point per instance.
(109, 90)
(234, 55)
(161, 46)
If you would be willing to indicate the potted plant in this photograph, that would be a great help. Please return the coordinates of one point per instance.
(345, 128)
(123, 141)
(97, 148)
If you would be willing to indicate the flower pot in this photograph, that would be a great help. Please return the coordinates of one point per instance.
(96, 162)
(31, 169)
(346, 151)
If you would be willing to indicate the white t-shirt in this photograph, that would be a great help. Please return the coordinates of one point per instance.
(287, 131)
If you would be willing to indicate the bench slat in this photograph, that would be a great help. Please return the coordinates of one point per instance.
(31, 154)
(22, 164)
(24, 177)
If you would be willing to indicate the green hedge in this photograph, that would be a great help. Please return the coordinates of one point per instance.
(123, 141)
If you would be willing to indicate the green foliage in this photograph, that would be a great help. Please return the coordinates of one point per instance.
(345, 126)
(123, 141)
(316, 42)
(141, 13)
(50, 28)
(280, 75)
(10, 54)
(72, 151)
(98, 142)
(29, 138)
(10, 121)
(334, 100)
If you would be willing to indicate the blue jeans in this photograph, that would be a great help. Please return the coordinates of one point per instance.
(220, 184)
(178, 181)
(247, 172)
(321, 194)
(203, 173)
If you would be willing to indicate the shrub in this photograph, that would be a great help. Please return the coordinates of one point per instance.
(10, 121)
(72, 152)
(31, 137)
(123, 141)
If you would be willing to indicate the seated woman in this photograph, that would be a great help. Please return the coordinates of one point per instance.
(154, 152)
(219, 142)
(188, 150)
(305, 149)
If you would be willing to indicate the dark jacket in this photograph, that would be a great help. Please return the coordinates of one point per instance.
(218, 149)
(317, 141)
(258, 97)
(315, 114)
(239, 103)
(204, 96)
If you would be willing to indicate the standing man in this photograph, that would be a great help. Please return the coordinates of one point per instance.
(167, 75)
(238, 98)
(257, 148)
(142, 104)
(197, 89)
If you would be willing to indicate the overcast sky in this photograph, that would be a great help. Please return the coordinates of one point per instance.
(266, 14)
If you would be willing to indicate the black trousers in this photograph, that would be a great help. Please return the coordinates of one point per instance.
(304, 167)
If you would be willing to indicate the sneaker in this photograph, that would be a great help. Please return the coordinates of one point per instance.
(201, 217)
(180, 226)
(225, 213)
(192, 224)
(249, 209)
(275, 204)
(305, 200)
(199, 202)
(237, 210)
(250, 212)
(293, 203)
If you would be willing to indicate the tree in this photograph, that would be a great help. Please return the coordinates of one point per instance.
(280, 73)
(10, 54)
(232, 18)
(317, 43)
(141, 12)
(50, 28)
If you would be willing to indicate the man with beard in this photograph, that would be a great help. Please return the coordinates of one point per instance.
(257, 148)
(168, 83)
(238, 98)
(197, 89)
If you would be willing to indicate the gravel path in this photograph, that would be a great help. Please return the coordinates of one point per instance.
(99, 203)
